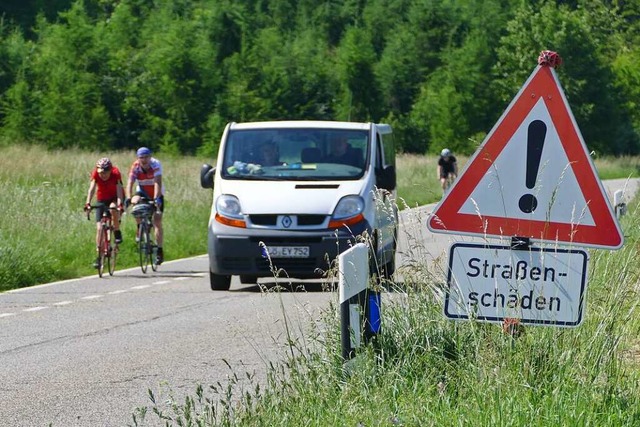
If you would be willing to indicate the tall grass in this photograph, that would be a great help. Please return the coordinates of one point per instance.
(44, 235)
(424, 370)
(618, 167)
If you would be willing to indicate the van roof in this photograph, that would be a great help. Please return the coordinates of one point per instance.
(314, 124)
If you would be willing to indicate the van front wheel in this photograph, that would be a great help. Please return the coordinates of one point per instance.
(219, 282)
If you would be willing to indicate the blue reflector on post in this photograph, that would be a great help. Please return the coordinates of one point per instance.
(373, 320)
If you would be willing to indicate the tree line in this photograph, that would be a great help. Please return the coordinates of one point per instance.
(169, 74)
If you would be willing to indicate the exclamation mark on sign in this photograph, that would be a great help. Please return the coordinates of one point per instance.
(535, 141)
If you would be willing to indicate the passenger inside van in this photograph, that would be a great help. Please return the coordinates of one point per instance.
(340, 151)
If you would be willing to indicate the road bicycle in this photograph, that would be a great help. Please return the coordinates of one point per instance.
(147, 248)
(107, 246)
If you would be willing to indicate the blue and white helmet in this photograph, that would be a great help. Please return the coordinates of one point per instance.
(143, 151)
(445, 152)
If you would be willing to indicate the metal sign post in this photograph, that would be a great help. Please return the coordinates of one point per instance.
(359, 306)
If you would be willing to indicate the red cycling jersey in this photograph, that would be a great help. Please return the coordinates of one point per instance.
(107, 189)
(146, 178)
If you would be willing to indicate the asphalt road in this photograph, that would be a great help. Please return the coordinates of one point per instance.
(84, 352)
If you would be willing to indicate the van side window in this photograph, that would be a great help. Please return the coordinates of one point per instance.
(389, 149)
(379, 153)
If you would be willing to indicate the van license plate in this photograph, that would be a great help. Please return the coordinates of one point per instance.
(288, 251)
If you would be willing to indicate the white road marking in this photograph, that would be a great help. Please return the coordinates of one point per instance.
(63, 303)
(36, 308)
(92, 297)
(182, 278)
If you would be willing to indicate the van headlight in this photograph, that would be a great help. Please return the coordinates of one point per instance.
(348, 212)
(229, 211)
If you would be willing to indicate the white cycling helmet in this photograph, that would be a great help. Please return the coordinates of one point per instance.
(445, 152)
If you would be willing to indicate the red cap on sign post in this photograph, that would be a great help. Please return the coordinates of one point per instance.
(549, 58)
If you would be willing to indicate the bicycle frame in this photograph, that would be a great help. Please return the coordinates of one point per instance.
(147, 248)
(107, 248)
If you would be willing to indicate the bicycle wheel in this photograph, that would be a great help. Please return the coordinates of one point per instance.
(103, 250)
(144, 246)
(153, 252)
(113, 251)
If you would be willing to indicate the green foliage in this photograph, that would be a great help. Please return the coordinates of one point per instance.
(626, 68)
(359, 93)
(119, 74)
(586, 78)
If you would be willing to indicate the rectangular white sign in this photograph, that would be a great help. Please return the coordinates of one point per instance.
(539, 286)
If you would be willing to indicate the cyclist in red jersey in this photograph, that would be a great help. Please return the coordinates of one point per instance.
(107, 180)
(147, 172)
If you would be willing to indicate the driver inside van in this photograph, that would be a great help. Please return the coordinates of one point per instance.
(340, 151)
(269, 155)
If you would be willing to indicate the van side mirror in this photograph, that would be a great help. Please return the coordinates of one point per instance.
(207, 172)
(386, 178)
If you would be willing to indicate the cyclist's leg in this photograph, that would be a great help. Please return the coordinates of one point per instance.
(157, 222)
(115, 221)
(443, 183)
(115, 215)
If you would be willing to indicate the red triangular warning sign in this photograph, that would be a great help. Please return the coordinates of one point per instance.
(532, 177)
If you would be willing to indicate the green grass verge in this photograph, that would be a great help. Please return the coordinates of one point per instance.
(424, 370)
(45, 236)
(44, 233)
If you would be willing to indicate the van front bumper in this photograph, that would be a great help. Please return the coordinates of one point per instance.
(245, 255)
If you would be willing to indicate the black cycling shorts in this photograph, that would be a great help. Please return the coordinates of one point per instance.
(103, 205)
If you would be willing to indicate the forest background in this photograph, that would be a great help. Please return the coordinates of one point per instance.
(169, 74)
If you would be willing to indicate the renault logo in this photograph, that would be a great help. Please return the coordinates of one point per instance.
(286, 221)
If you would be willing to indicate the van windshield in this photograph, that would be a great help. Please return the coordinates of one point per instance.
(296, 154)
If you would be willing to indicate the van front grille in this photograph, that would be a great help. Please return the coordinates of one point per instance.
(269, 220)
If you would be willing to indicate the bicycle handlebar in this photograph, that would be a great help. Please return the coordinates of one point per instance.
(98, 206)
(152, 203)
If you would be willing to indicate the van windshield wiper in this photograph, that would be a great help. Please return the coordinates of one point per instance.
(260, 177)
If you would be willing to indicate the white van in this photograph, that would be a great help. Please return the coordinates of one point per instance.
(292, 195)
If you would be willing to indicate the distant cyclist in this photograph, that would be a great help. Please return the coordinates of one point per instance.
(447, 169)
(147, 172)
(106, 178)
